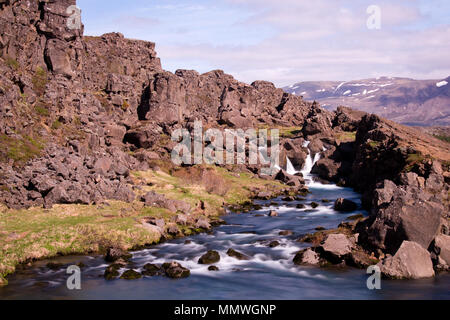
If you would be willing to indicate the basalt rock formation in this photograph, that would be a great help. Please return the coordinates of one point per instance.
(78, 113)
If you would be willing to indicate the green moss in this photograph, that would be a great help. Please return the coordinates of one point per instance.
(39, 81)
(415, 158)
(56, 125)
(12, 63)
(374, 144)
(42, 110)
(346, 136)
(443, 138)
(20, 150)
(125, 105)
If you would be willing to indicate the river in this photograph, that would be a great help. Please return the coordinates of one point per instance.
(269, 274)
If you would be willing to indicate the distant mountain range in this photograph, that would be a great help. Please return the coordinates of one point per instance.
(406, 101)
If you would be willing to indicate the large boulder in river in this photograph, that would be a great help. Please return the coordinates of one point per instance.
(344, 205)
(209, 258)
(306, 257)
(411, 261)
(335, 248)
(175, 270)
(401, 213)
(237, 255)
(114, 254)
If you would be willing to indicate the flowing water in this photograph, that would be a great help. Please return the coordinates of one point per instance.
(269, 274)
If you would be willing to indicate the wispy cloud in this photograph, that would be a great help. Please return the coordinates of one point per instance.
(290, 40)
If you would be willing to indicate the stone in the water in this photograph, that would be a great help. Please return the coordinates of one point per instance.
(213, 268)
(314, 205)
(301, 206)
(131, 275)
(235, 254)
(286, 233)
(344, 205)
(361, 259)
(306, 257)
(411, 261)
(113, 254)
(335, 248)
(151, 270)
(320, 228)
(209, 258)
(175, 270)
(273, 213)
(112, 272)
(274, 244)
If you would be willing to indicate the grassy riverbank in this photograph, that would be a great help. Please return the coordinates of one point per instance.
(37, 233)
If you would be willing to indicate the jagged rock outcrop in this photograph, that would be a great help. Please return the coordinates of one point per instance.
(402, 213)
(89, 95)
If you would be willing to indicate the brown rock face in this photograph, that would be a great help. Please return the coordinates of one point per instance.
(410, 262)
(402, 213)
(335, 248)
(306, 257)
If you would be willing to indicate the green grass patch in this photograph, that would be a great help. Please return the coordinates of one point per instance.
(20, 150)
(443, 137)
(12, 63)
(37, 233)
(32, 234)
(41, 110)
(56, 124)
(39, 81)
(374, 144)
(346, 137)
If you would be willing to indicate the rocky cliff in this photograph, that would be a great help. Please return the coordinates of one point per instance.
(77, 113)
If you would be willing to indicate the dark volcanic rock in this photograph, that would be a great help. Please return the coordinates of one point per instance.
(344, 205)
(175, 270)
(131, 275)
(111, 272)
(151, 270)
(235, 254)
(209, 258)
(401, 214)
(114, 254)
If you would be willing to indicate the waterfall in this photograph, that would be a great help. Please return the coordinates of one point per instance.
(309, 164)
(307, 168)
(289, 167)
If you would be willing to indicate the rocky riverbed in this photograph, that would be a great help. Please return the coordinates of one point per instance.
(253, 256)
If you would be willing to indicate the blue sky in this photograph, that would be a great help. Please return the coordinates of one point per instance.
(285, 41)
